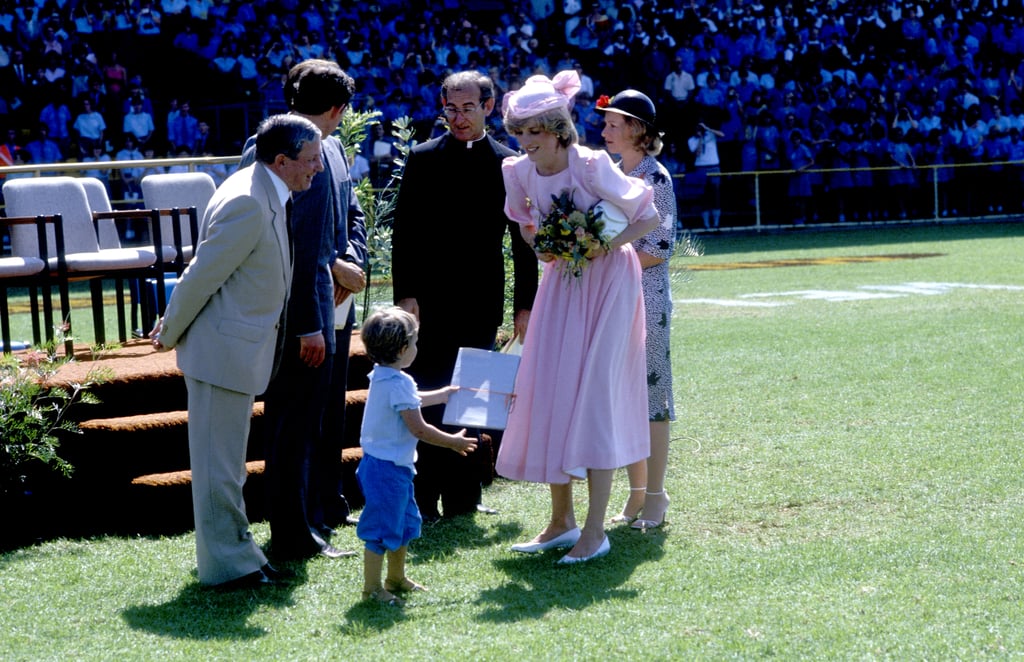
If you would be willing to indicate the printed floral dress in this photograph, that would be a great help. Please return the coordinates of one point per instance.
(659, 242)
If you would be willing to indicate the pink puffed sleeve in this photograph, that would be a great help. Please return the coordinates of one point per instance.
(516, 205)
(604, 179)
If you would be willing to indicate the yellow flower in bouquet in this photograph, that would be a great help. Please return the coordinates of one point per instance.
(570, 234)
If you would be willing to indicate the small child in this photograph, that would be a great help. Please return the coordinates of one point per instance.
(392, 424)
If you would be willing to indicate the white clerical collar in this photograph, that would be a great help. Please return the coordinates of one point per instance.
(469, 143)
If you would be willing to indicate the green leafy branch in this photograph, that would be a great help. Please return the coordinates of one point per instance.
(378, 204)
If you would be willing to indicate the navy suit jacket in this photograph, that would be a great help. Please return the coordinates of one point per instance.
(327, 223)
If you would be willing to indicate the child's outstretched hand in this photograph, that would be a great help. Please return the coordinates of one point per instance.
(462, 443)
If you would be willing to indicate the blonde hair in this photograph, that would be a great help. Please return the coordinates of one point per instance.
(386, 333)
(644, 136)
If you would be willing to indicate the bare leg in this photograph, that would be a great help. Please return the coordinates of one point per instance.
(396, 579)
(373, 564)
(656, 501)
(599, 487)
(657, 462)
(562, 516)
(372, 567)
(637, 473)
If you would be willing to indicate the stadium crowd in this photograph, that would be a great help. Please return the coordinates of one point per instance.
(818, 84)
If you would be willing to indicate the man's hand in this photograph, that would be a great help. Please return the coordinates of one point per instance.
(340, 294)
(522, 319)
(154, 335)
(348, 275)
(312, 349)
(411, 306)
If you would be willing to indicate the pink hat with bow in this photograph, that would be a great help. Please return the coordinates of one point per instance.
(540, 94)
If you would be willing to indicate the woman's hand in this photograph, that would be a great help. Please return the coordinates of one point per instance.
(597, 250)
(546, 257)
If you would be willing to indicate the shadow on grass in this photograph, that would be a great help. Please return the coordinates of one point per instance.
(368, 617)
(203, 613)
(538, 584)
(448, 535)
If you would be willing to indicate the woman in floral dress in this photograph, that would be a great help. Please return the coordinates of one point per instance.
(631, 133)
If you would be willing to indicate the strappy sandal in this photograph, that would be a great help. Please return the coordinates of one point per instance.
(623, 518)
(645, 523)
(384, 597)
(406, 586)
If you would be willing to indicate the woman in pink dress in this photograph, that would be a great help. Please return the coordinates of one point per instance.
(581, 391)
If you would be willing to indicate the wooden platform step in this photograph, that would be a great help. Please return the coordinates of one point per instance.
(256, 467)
(354, 403)
(146, 422)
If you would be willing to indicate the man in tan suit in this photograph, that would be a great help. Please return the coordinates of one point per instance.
(225, 320)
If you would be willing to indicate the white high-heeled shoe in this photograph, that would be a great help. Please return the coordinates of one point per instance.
(624, 517)
(652, 518)
(602, 550)
(567, 539)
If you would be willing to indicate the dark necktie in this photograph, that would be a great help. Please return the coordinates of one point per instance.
(288, 224)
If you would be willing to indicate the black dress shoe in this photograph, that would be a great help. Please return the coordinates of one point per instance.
(258, 579)
(332, 552)
(276, 575)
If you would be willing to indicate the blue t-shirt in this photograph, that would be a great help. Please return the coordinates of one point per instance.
(384, 434)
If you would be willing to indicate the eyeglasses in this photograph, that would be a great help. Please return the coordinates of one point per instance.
(451, 112)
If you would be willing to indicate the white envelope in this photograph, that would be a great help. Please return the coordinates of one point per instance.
(486, 380)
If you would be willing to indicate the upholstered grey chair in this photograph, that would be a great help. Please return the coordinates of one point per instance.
(84, 257)
(182, 199)
(31, 272)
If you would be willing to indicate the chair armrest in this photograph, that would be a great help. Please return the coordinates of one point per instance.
(151, 216)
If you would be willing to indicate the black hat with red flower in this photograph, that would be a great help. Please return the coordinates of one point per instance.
(631, 103)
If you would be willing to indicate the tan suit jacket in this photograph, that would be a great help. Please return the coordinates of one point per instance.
(224, 313)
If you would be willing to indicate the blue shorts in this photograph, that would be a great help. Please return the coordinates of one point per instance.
(390, 519)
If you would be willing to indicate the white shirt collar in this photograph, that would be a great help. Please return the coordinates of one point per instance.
(283, 194)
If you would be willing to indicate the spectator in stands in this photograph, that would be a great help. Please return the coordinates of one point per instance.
(903, 180)
(42, 149)
(703, 144)
(57, 118)
(98, 155)
(801, 159)
(115, 77)
(138, 122)
(147, 20)
(711, 95)
(359, 167)
(129, 185)
(679, 85)
(382, 155)
(89, 126)
(52, 74)
(183, 129)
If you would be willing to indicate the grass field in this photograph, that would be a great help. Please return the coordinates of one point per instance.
(845, 477)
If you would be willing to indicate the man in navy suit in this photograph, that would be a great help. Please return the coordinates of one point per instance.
(225, 320)
(449, 270)
(303, 466)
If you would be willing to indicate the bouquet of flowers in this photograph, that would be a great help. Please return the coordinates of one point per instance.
(571, 234)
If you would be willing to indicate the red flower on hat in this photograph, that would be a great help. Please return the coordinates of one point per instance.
(603, 101)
